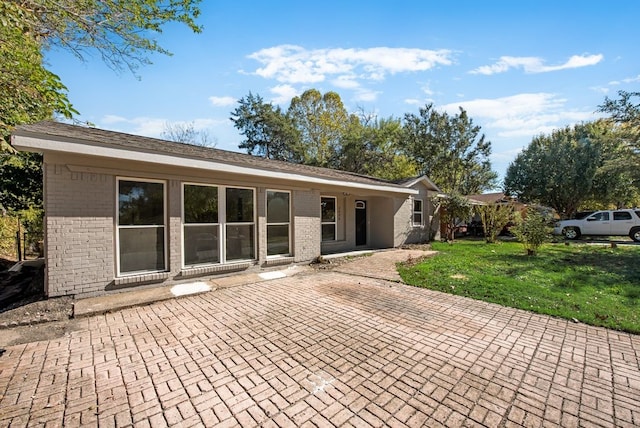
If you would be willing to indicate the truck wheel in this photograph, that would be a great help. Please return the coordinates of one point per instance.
(635, 234)
(571, 232)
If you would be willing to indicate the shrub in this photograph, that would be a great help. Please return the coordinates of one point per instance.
(532, 230)
(494, 218)
(8, 229)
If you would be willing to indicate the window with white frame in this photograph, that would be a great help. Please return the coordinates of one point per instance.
(141, 226)
(201, 228)
(278, 223)
(328, 218)
(417, 217)
(240, 224)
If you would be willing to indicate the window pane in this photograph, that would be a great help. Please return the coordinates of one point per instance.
(417, 205)
(622, 215)
(417, 218)
(200, 204)
(602, 216)
(328, 232)
(239, 205)
(140, 203)
(328, 209)
(200, 245)
(277, 207)
(239, 243)
(277, 240)
(141, 249)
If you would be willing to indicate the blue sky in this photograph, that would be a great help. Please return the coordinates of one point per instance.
(520, 68)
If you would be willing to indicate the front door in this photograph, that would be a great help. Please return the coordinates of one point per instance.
(361, 223)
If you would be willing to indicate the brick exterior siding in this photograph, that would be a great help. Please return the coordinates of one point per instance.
(79, 230)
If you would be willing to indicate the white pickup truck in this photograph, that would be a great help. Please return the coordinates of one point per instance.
(602, 223)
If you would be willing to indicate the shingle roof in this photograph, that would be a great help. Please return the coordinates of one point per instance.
(119, 140)
(488, 198)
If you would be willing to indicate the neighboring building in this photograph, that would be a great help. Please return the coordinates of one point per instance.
(123, 210)
(491, 198)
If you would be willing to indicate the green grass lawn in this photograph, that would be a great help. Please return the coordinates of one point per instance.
(595, 284)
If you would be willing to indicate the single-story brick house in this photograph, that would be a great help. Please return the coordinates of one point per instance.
(123, 210)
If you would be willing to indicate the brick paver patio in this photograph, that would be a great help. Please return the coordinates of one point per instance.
(324, 349)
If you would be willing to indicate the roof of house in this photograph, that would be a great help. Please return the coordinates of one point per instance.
(55, 136)
(488, 198)
(491, 198)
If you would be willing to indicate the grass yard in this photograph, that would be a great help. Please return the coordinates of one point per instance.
(595, 284)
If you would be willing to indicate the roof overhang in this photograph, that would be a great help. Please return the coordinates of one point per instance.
(34, 142)
(425, 180)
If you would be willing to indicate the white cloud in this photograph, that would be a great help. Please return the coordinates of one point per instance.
(627, 80)
(412, 101)
(536, 64)
(284, 94)
(345, 82)
(366, 95)
(112, 118)
(427, 90)
(223, 101)
(522, 115)
(294, 64)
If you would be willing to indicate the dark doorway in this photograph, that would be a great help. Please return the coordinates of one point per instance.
(361, 223)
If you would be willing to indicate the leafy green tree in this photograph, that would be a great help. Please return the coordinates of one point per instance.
(121, 32)
(625, 112)
(371, 146)
(267, 130)
(494, 218)
(625, 115)
(28, 91)
(321, 121)
(557, 170)
(532, 230)
(450, 150)
(452, 208)
(617, 180)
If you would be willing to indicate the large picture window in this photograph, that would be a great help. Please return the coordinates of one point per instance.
(328, 218)
(417, 212)
(240, 226)
(141, 226)
(201, 227)
(278, 223)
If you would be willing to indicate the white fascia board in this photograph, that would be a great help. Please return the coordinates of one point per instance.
(29, 143)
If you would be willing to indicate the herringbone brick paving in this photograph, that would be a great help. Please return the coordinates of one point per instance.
(324, 349)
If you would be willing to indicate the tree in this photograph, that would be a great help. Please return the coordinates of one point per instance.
(187, 133)
(494, 218)
(617, 180)
(267, 130)
(623, 110)
(321, 121)
(625, 115)
(450, 150)
(122, 33)
(532, 230)
(28, 91)
(453, 208)
(371, 146)
(590, 164)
